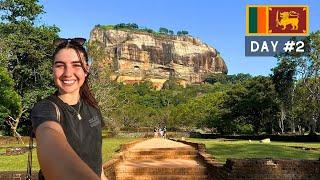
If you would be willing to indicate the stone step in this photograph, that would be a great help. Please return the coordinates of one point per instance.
(176, 151)
(163, 177)
(160, 167)
(161, 171)
(182, 153)
(158, 157)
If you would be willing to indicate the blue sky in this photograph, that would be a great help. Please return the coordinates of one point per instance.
(220, 24)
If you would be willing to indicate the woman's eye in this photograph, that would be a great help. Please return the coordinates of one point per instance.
(77, 65)
(58, 65)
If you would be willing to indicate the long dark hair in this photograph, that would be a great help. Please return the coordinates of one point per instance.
(85, 91)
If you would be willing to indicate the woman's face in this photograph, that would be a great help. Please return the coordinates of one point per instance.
(68, 72)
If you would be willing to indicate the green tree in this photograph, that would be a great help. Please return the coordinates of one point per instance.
(143, 88)
(126, 26)
(163, 30)
(214, 78)
(303, 107)
(201, 112)
(10, 104)
(227, 79)
(308, 71)
(133, 25)
(283, 79)
(212, 104)
(260, 104)
(233, 109)
(309, 66)
(252, 103)
(171, 83)
(29, 50)
(15, 11)
(239, 78)
(148, 30)
(182, 32)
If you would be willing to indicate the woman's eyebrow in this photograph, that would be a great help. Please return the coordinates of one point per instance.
(74, 62)
(61, 62)
(57, 62)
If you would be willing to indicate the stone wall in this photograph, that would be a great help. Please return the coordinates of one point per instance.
(291, 138)
(258, 169)
(109, 166)
(16, 175)
(282, 169)
(13, 140)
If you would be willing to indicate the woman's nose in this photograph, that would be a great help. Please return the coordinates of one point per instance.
(68, 71)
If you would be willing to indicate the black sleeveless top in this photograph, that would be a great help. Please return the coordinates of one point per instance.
(84, 135)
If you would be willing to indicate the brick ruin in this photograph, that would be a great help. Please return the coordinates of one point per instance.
(258, 168)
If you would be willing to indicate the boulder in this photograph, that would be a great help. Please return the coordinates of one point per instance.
(135, 56)
(267, 140)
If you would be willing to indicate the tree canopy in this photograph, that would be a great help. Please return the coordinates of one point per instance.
(28, 50)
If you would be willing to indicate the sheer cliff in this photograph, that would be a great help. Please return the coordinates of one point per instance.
(135, 56)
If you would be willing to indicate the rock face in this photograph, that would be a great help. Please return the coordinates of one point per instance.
(140, 56)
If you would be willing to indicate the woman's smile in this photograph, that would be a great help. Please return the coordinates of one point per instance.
(69, 82)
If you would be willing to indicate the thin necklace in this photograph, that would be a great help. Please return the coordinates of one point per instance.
(78, 112)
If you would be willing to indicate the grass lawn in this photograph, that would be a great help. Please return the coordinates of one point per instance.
(222, 149)
(110, 146)
(19, 162)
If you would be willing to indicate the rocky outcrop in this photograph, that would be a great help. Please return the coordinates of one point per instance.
(135, 56)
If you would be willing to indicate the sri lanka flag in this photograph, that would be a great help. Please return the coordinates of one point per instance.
(277, 20)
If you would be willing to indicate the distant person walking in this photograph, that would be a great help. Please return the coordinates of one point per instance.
(155, 132)
(165, 132)
(161, 132)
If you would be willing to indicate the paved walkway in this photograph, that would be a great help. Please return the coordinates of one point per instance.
(159, 143)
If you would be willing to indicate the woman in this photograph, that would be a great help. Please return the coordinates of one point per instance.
(67, 124)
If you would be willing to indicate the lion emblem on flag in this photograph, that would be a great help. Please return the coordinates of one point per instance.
(288, 18)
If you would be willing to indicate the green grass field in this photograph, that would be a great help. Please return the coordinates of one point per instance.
(19, 162)
(222, 149)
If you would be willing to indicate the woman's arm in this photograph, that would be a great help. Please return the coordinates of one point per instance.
(56, 157)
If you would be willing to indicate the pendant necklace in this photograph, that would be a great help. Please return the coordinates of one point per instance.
(78, 112)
